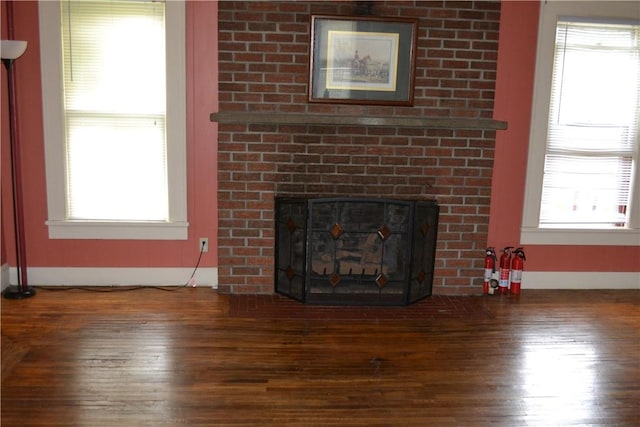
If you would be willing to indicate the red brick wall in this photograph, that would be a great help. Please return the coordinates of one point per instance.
(263, 66)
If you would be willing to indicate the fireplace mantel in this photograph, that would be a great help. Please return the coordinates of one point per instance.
(279, 118)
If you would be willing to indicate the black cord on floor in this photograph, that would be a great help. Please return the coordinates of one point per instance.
(124, 288)
(105, 288)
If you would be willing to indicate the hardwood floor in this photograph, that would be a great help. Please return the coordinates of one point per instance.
(191, 357)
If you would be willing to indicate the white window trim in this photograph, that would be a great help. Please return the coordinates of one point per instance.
(51, 59)
(530, 233)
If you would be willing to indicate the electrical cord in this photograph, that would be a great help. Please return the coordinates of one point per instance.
(189, 283)
(104, 288)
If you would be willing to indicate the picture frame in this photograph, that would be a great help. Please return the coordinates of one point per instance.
(362, 60)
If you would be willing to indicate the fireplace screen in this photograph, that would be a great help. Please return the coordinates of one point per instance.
(355, 251)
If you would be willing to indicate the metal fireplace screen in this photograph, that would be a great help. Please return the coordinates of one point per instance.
(344, 251)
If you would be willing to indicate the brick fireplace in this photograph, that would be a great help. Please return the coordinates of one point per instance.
(445, 155)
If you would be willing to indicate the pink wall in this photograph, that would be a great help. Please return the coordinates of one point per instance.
(201, 158)
(514, 89)
(513, 103)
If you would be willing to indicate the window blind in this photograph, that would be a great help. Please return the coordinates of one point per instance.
(592, 141)
(114, 71)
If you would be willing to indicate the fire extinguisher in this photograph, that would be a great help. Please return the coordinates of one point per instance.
(517, 265)
(489, 269)
(505, 264)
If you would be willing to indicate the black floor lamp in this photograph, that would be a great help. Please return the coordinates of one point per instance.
(10, 50)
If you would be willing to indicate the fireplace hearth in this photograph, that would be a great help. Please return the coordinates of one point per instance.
(355, 251)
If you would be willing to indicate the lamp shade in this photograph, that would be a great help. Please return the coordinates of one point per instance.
(12, 49)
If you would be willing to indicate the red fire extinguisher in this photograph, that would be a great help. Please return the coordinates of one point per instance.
(517, 265)
(489, 268)
(505, 264)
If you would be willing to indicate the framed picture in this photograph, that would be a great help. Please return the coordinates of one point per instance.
(362, 60)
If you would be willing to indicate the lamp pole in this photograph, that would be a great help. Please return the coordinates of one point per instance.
(11, 50)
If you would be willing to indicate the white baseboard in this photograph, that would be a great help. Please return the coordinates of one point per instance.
(58, 276)
(580, 280)
(94, 276)
(4, 276)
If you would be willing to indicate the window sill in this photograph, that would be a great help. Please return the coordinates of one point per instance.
(118, 230)
(552, 236)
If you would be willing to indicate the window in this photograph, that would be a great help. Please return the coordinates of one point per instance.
(115, 146)
(582, 173)
(593, 125)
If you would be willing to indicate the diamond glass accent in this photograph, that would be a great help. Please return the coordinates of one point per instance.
(334, 280)
(291, 225)
(336, 231)
(290, 273)
(382, 280)
(384, 232)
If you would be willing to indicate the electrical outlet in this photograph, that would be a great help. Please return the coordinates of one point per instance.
(203, 244)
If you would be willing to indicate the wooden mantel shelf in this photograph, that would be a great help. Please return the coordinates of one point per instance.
(276, 118)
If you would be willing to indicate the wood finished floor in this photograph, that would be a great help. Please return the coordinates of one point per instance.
(190, 357)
